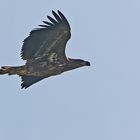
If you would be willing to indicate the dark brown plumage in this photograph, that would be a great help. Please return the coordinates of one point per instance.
(44, 52)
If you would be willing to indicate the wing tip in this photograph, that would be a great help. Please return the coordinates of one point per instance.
(59, 11)
(56, 12)
(53, 12)
(23, 86)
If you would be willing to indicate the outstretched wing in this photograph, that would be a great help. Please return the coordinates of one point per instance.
(49, 40)
(29, 80)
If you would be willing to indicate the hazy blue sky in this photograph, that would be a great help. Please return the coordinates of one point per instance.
(101, 102)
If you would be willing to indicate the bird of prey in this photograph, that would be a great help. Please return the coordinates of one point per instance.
(44, 52)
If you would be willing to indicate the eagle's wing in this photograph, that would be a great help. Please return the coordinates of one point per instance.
(49, 40)
(29, 80)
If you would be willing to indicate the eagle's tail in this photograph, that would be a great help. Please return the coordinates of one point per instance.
(7, 70)
(10, 70)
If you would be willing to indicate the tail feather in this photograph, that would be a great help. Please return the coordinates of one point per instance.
(7, 70)
(19, 70)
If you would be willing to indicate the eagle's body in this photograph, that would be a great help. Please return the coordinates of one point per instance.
(44, 52)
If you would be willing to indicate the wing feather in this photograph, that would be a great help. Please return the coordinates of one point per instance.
(48, 23)
(52, 20)
(43, 26)
(56, 16)
(63, 17)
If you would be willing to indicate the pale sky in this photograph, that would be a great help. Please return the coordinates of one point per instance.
(101, 102)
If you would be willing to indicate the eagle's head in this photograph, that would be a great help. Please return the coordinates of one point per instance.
(79, 62)
(82, 62)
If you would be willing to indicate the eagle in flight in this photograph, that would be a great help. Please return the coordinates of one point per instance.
(44, 52)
